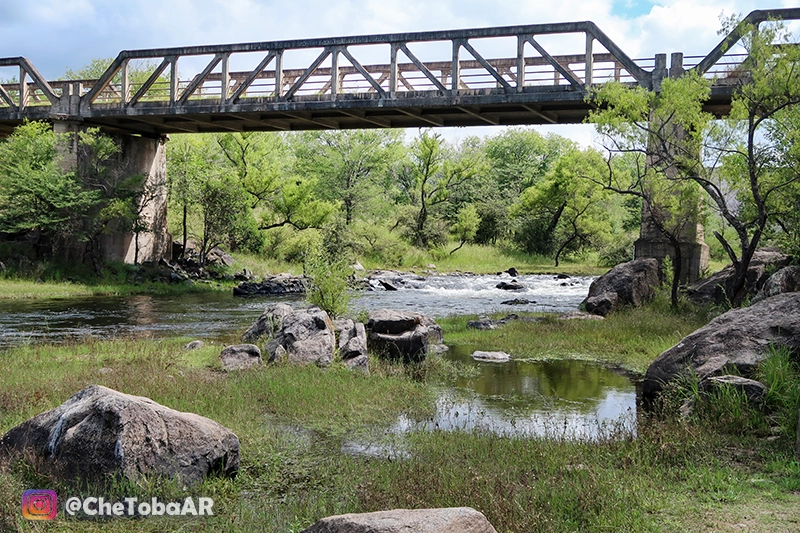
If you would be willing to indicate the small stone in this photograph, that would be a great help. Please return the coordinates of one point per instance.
(240, 356)
(194, 345)
(493, 357)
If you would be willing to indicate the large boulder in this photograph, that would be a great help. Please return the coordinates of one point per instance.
(100, 432)
(269, 323)
(306, 336)
(240, 356)
(403, 335)
(448, 520)
(632, 283)
(740, 339)
(784, 280)
(711, 290)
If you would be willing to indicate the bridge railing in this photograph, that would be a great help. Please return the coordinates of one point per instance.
(458, 61)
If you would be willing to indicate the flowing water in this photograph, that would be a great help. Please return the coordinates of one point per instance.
(524, 398)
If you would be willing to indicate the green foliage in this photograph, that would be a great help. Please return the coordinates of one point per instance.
(36, 194)
(328, 272)
(567, 211)
(466, 225)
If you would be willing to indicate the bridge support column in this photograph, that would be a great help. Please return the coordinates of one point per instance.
(694, 251)
(137, 156)
(652, 242)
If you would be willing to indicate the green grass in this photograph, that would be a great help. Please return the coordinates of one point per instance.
(630, 339)
(675, 475)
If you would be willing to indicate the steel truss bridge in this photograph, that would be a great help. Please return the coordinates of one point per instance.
(497, 76)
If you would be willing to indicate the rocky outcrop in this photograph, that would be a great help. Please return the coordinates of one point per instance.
(711, 290)
(272, 286)
(240, 356)
(740, 338)
(632, 283)
(448, 520)
(268, 324)
(194, 345)
(306, 336)
(784, 280)
(100, 432)
(402, 335)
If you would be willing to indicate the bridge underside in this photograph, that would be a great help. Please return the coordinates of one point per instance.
(562, 105)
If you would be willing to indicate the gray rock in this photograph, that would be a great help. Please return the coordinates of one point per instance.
(512, 285)
(512, 272)
(448, 520)
(482, 324)
(307, 336)
(269, 323)
(493, 357)
(392, 322)
(518, 301)
(740, 338)
(402, 335)
(194, 345)
(784, 280)
(100, 432)
(632, 283)
(360, 363)
(579, 315)
(754, 390)
(711, 290)
(274, 285)
(240, 356)
(352, 338)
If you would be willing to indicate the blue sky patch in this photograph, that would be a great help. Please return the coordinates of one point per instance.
(629, 9)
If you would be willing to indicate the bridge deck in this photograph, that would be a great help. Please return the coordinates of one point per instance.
(396, 81)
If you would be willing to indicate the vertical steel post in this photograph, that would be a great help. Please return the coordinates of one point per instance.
(455, 75)
(589, 60)
(125, 89)
(226, 78)
(393, 71)
(173, 80)
(520, 63)
(23, 88)
(278, 73)
(334, 72)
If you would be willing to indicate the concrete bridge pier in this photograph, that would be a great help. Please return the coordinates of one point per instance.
(137, 156)
(652, 242)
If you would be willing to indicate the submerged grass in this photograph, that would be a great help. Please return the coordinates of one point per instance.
(673, 475)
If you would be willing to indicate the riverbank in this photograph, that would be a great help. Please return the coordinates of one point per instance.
(297, 425)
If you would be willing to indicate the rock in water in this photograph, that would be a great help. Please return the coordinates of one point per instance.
(100, 432)
(492, 357)
(448, 520)
(740, 338)
(632, 283)
(240, 356)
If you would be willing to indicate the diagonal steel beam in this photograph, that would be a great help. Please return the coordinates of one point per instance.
(489, 68)
(560, 68)
(307, 74)
(363, 71)
(421, 66)
(199, 79)
(150, 81)
(252, 77)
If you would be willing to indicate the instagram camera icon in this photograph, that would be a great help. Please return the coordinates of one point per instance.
(39, 504)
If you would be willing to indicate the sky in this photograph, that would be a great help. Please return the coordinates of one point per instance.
(59, 34)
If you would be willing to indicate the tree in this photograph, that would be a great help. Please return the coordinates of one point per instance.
(221, 200)
(466, 226)
(187, 161)
(429, 176)
(347, 164)
(567, 210)
(36, 193)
